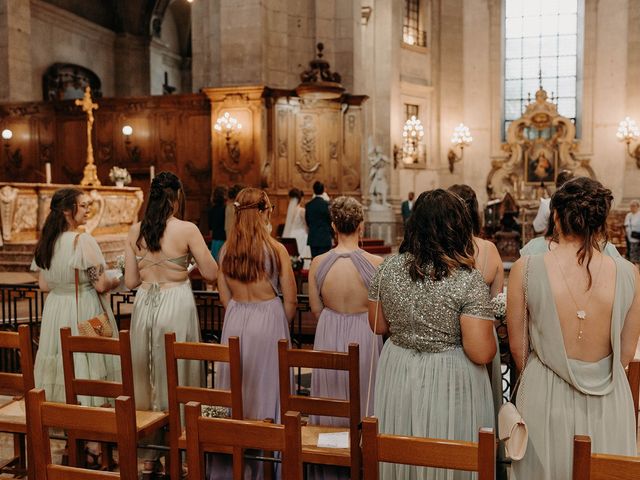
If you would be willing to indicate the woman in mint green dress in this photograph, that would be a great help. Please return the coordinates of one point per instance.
(62, 249)
(432, 379)
(584, 323)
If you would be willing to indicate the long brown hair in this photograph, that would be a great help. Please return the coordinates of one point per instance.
(166, 189)
(63, 200)
(439, 236)
(249, 241)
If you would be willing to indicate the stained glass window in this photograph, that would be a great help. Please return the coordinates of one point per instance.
(541, 48)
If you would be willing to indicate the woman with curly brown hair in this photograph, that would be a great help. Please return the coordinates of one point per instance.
(432, 380)
(583, 328)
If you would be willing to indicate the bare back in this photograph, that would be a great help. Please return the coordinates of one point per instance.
(569, 287)
(343, 289)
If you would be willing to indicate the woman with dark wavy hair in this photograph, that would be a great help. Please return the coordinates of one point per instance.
(584, 323)
(158, 252)
(61, 250)
(435, 306)
(254, 269)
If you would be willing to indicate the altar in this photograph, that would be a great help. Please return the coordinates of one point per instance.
(25, 206)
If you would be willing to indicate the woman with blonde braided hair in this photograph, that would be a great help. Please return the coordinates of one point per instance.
(583, 326)
(254, 269)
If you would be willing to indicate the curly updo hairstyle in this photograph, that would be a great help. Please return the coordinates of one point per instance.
(346, 214)
(63, 200)
(166, 190)
(438, 236)
(581, 207)
(468, 196)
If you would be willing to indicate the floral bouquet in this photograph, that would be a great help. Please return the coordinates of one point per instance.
(119, 176)
(120, 263)
(499, 305)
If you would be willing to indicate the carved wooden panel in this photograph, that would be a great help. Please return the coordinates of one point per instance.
(169, 132)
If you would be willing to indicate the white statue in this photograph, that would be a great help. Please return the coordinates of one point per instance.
(378, 186)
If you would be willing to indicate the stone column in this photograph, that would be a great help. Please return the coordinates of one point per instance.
(132, 66)
(15, 51)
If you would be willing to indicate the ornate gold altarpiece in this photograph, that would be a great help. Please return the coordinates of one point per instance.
(25, 206)
(539, 144)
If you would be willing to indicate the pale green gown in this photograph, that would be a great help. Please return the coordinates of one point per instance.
(560, 397)
(60, 311)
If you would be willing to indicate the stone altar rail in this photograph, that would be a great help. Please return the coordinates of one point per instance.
(25, 206)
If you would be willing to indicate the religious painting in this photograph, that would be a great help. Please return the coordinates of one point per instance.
(540, 166)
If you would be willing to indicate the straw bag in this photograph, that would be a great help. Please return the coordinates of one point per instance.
(512, 429)
(98, 326)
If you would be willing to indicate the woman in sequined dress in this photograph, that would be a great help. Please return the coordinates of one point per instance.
(435, 306)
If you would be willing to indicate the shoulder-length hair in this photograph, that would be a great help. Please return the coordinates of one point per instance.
(63, 200)
(248, 243)
(439, 236)
(166, 189)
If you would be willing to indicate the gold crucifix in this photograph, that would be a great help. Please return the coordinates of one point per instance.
(90, 176)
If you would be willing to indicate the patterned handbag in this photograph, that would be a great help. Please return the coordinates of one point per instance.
(512, 429)
(98, 326)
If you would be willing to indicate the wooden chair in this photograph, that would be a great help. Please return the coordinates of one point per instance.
(239, 434)
(12, 409)
(427, 452)
(179, 395)
(147, 422)
(118, 423)
(633, 375)
(311, 453)
(592, 466)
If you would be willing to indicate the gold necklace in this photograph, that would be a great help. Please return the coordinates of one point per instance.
(581, 313)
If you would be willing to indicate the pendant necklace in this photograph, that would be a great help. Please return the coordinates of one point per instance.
(581, 313)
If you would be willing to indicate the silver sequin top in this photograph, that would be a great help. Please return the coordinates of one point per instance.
(425, 315)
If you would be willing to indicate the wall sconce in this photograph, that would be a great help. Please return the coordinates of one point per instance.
(228, 126)
(412, 134)
(133, 151)
(14, 158)
(461, 138)
(627, 132)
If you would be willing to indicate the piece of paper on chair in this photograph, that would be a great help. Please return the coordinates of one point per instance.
(333, 440)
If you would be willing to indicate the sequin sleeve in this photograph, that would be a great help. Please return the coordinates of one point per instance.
(377, 277)
(477, 301)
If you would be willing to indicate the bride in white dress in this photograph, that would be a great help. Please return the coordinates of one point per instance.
(294, 225)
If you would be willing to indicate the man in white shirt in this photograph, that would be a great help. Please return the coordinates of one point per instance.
(632, 227)
(541, 221)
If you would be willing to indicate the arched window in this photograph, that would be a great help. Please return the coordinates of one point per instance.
(542, 46)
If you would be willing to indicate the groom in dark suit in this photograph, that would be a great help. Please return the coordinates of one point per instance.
(318, 221)
(406, 208)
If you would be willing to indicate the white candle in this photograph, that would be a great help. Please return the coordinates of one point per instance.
(152, 172)
(47, 172)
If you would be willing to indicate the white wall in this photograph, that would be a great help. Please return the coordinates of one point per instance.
(164, 56)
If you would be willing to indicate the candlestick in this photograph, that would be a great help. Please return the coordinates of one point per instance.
(152, 173)
(47, 172)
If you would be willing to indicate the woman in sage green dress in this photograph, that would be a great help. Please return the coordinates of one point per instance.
(584, 322)
(431, 379)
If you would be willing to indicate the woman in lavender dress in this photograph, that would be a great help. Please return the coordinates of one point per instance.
(253, 269)
(338, 285)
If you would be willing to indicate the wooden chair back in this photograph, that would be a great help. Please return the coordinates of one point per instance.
(633, 375)
(427, 452)
(289, 401)
(591, 466)
(18, 384)
(240, 434)
(180, 395)
(120, 422)
(120, 347)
